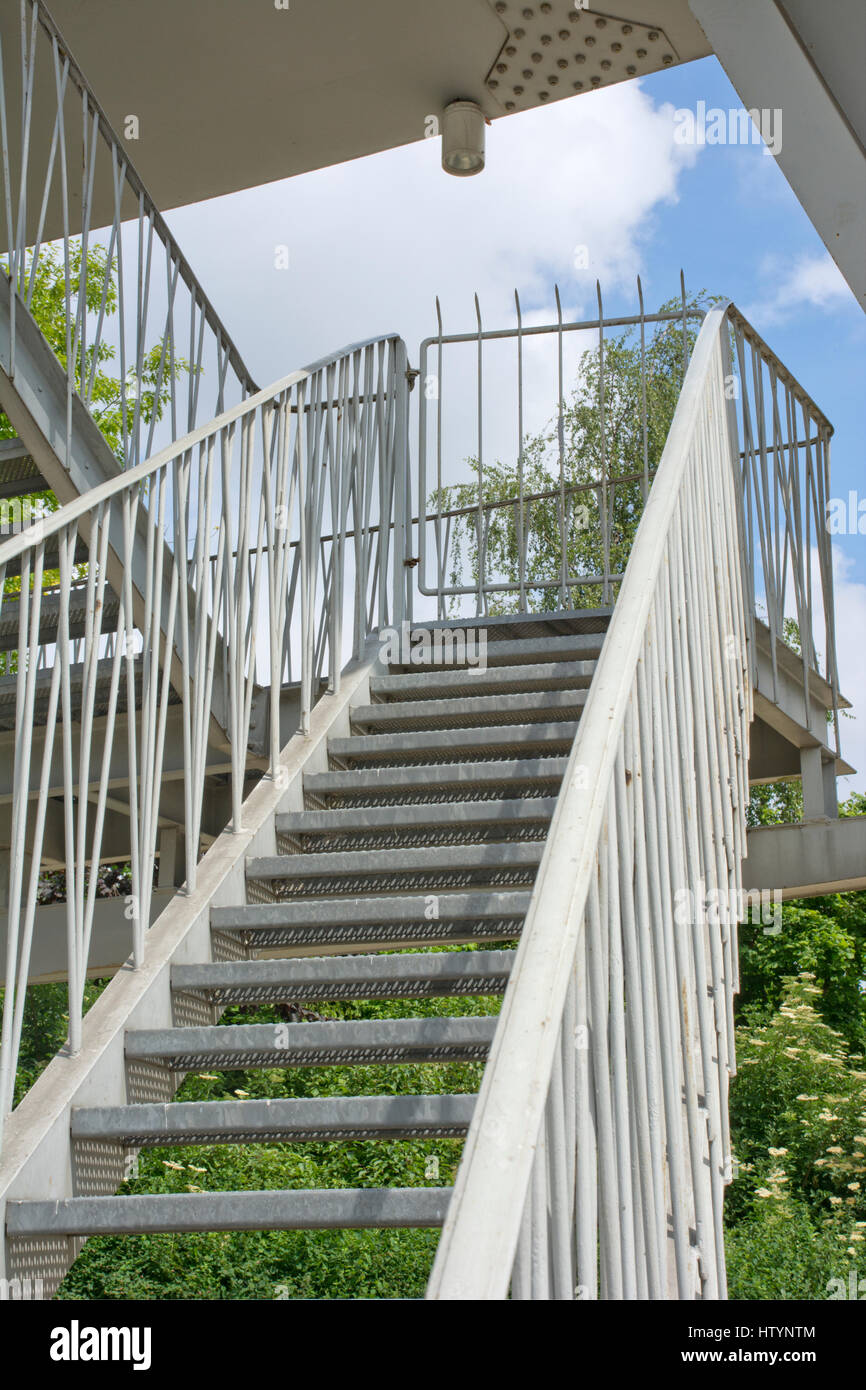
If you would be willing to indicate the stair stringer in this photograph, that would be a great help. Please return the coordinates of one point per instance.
(37, 1160)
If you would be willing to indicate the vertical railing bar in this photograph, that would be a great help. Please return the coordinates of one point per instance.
(610, 1254)
(52, 159)
(586, 1176)
(539, 1248)
(521, 1275)
(635, 990)
(480, 606)
(619, 1066)
(643, 412)
(677, 829)
(521, 529)
(684, 327)
(676, 1159)
(654, 1205)
(700, 770)
(7, 170)
(560, 1226)
(560, 440)
(603, 493)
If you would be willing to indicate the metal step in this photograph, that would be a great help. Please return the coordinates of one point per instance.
(503, 819)
(460, 745)
(313, 1209)
(536, 706)
(476, 759)
(331, 1043)
(102, 691)
(431, 975)
(320, 1120)
(355, 871)
(52, 556)
(539, 644)
(313, 926)
(19, 476)
(426, 785)
(502, 680)
(49, 616)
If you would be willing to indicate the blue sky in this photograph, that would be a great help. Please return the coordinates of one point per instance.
(371, 242)
(738, 229)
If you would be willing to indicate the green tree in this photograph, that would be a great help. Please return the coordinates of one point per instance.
(94, 367)
(796, 1210)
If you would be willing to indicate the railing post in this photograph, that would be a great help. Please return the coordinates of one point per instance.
(402, 491)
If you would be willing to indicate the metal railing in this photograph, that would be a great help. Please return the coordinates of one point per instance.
(553, 540)
(254, 539)
(543, 519)
(89, 255)
(597, 1159)
(599, 1148)
(785, 487)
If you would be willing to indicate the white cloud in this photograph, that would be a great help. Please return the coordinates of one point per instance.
(373, 241)
(811, 281)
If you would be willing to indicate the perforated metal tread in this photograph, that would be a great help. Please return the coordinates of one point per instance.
(311, 1209)
(495, 680)
(533, 627)
(374, 784)
(314, 926)
(51, 557)
(479, 769)
(535, 706)
(348, 977)
(445, 813)
(357, 869)
(49, 616)
(331, 1043)
(319, 1120)
(575, 646)
(19, 475)
(101, 693)
(460, 745)
(364, 912)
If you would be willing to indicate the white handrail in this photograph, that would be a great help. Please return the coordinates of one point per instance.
(53, 522)
(235, 554)
(506, 1180)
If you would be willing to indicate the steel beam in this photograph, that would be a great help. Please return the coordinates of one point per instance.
(357, 1208)
(810, 859)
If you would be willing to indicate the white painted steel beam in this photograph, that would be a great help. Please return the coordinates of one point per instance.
(810, 859)
(773, 68)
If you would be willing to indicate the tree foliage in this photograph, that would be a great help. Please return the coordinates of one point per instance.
(95, 366)
(798, 1116)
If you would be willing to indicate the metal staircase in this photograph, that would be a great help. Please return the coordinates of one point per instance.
(564, 795)
(213, 660)
(425, 833)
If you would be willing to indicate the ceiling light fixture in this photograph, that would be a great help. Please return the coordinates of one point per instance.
(463, 138)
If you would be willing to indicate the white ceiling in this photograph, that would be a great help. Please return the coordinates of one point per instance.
(231, 94)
